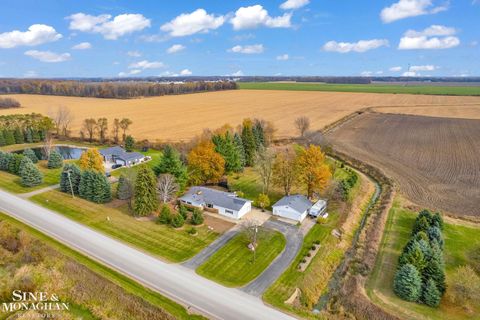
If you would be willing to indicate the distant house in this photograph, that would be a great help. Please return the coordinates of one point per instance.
(294, 207)
(225, 203)
(118, 155)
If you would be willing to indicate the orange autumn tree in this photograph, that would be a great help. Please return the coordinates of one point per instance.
(204, 164)
(92, 159)
(313, 171)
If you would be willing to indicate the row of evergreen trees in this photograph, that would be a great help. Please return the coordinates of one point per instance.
(21, 128)
(23, 166)
(17, 136)
(420, 275)
(90, 184)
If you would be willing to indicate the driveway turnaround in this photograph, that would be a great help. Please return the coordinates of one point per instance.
(174, 281)
(281, 263)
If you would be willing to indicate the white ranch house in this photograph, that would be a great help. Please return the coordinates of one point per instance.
(225, 203)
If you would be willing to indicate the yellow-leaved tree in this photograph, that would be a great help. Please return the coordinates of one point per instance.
(92, 159)
(313, 171)
(204, 164)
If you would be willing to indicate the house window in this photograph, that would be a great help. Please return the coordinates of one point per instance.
(228, 211)
(209, 205)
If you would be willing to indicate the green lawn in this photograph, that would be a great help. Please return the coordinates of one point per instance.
(12, 183)
(460, 241)
(160, 240)
(367, 88)
(155, 154)
(233, 264)
(129, 285)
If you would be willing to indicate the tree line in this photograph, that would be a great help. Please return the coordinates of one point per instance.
(21, 128)
(120, 90)
(7, 103)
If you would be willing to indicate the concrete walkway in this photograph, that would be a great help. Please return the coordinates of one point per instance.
(206, 253)
(282, 262)
(34, 193)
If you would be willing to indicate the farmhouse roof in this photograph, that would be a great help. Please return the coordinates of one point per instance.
(297, 202)
(120, 153)
(218, 198)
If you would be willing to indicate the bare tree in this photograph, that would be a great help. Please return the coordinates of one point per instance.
(166, 187)
(124, 125)
(264, 166)
(102, 125)
(90, 125)
(116, 130)
(62, 118)
(250, 228)
(302, 124)
(47, 144)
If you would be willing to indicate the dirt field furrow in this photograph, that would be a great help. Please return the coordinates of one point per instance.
(434, 160)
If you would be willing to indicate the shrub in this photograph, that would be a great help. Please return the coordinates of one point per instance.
(192, 231)
(317, 241)
(407, 284)
(129, 143)
(182, 210)
(9, 137)
(304, 260)
(31, 176)
(55, 160)
(30, 154)
(313, 247)
(262, 201)
(308, 254)
(197, 217)
(124, 188)
(431, 296)
(464, 287)
(67, 184)
(165, 216)
(178, 221)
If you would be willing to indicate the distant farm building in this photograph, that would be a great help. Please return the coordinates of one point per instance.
(118, 155)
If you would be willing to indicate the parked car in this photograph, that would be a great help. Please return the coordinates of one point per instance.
(116, 166)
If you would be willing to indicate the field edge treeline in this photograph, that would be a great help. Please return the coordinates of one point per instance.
(116, 90)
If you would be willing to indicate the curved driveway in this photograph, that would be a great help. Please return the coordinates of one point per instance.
(175, 281)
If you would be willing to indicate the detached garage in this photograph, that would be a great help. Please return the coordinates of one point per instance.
(293, 207)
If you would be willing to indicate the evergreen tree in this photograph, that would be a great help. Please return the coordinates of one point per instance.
(165, 216)
(225, 146)
(197, 217)
(14, 164)
(31, 176)
(249, 145)
(241, 151)
(18, 134)
(172, 164)
(414, 257)
(145, 192)
(421, 224)
(30, 154)
(129, 143)
(7, 157)
(431, 296)
(407, 284)
(35, 136)
(94, 187)
(124, 188)
(434, 271)
(9, 137)
(55, 160)
(29, 135)
(68, 184)
(178, 221)
(426, 249)
(258, 134)
(85, 188)
(434, 233)
(437, 221)
(24, 162)
(183, 211)
(2, 139)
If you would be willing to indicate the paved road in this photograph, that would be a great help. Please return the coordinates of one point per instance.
(175, 281)
(206, 253)
(267, 277)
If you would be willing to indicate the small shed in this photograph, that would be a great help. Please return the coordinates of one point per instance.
(294, 207)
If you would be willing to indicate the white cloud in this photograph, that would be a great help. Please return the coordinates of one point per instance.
(360, 46)
(423, 68)
(185, 72)
(395, 69)
(82, 46)
(130, 73)
(145, 64)
(248, 49)
(111, 29)
(283, 57)
(433, 37)
(190, 23)
(294, 4)
(410, 8)
(175, 48)
(238, 73)
(256, 16)
(48, 56)
(35, 35)
(135, 54)
(168, 74)
(30, 74)
(409, 74)
(366, 73)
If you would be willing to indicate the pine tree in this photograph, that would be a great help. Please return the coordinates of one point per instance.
(178, 221)
(35, 136)
(2, 139)
(172, 164)
(435, 272)
(241, 151)
(435, 234)
(94, 187)
(124, 188)
(24, 162)
(145, 192)
(29, 135)
(197, 217)
(421, 224)
(431, 296)
(9, 137)
(249, 145)
(14, 164)
(85, 188)
(67, 184)
(31, 176)
(30, 154)
(18, 134)
(414, 257)
(225, 146)
(259, 134)
(408, 284)
(165, 216)
(129, 143)
(55, 160)
(7, 157)
(183, 211)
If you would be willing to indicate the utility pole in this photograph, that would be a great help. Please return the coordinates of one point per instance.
(70, 181)
(255, 243)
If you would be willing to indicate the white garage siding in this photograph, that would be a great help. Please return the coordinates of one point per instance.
(287, 212)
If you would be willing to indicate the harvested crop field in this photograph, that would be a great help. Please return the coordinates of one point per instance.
(456, 111)
(184, 116)
(434, 160)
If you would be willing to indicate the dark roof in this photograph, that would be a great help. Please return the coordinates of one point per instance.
(297, 202)
(120, 153)
(219, 198)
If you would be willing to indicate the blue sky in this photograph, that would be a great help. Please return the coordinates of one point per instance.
(294, 37)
